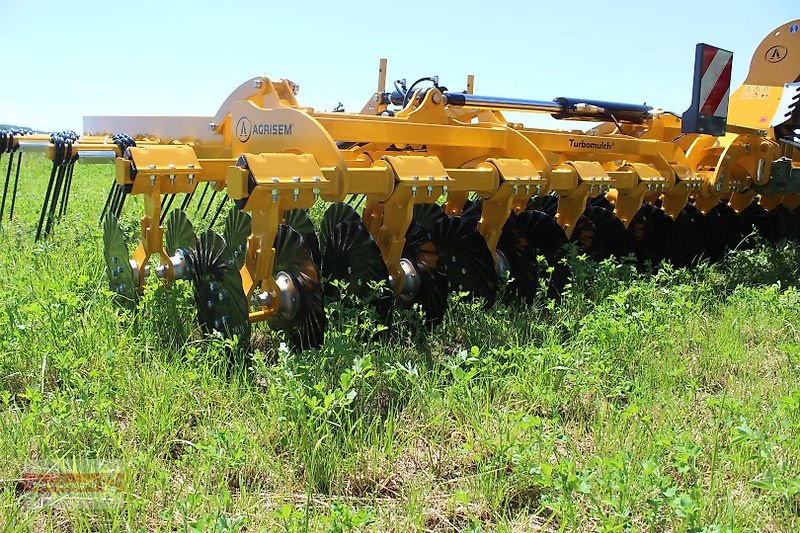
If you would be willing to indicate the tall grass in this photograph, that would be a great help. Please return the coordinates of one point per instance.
(663, 401)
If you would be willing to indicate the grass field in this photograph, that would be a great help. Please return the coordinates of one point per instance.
(666, 401)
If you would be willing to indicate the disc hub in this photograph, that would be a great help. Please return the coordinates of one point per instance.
(289, 301)
(503, 266)
(180, 266)
(409, 285)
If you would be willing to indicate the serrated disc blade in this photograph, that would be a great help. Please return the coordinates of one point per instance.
(352, 256)
(720, 231)
(754, 219)
(610, 238)
(795, 225)
(423, 254)
(427, 215)
(118, 268)
(334, 215)
(179, 232)
(306, 329)
(469, 264)
(547, 204)
(651, 229)
(299, 220)
(472, 211)
(585, 234)
(783, 222)
(525, 238)
(221, 302)
(686, 240)
(601, 201)
(238, 226)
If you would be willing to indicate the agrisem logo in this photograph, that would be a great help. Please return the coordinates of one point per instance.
(776, 54)
(243, 129)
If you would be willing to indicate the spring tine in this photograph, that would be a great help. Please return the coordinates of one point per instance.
(51, 215)
(111, 192)
(210, 203)
(56, 165)
(67, 189)
(219, 210)
(165, 208)
(5, 185)
(16, 183)
(202, 196)
(187, 199)
(119, 192)
(120, 202)
(360, 201)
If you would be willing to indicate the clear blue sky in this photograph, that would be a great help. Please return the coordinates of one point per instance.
(63, 60)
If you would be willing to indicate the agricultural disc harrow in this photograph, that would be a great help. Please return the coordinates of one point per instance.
(428, 191)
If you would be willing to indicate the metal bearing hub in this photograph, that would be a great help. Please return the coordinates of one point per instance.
(289, 302)
(503, 266)
(410, 282)
(180, 266)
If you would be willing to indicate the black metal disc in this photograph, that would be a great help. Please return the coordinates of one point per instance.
(469, 264)
(611, 237)
(721, 231)
(651, 230)
(238, 227)
(783, 223)
(525, 237)
(427, 215)
(351, 255)
(334, 215)
(179, 232)
(547, 204)
(306, 329)
(754, 219)
(601, 201)
(118, 267)
(472, 211)
(686, 243)
(221, 303)
(585, 236)
(795, 224)
(299, 220)
(423, 254)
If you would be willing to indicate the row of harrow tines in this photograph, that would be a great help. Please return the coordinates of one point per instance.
(63, 149)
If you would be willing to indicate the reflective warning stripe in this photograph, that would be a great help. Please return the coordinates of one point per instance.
(715, 84)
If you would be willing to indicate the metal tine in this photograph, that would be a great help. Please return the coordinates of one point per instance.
(202, 197)
(51, 215)
(67, 190)
(210, 203)
(120, 202)
(5, 184)
(219, 210)
(186, 200)
(111, 193)
(56, 166)
(167, 205)
(14, 192)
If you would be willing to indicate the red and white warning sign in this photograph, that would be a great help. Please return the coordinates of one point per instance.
(708, 112)
(715, 85)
